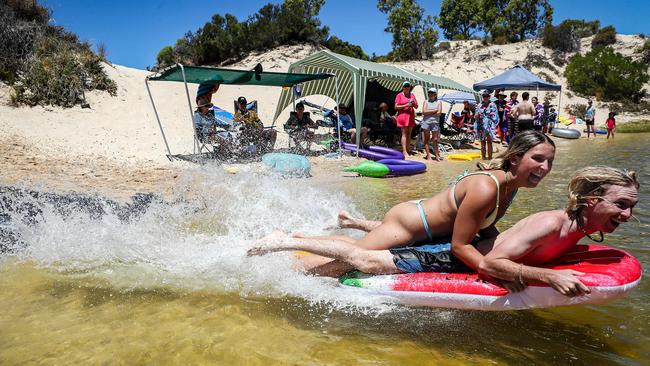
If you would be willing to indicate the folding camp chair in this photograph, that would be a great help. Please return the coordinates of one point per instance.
(300, 135)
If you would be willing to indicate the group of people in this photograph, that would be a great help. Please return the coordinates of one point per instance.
(246, 130)
(454, 231)
(497, 117)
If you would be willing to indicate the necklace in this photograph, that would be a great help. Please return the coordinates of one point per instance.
(602, 237)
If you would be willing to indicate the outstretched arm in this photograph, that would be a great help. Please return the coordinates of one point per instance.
(533, 232)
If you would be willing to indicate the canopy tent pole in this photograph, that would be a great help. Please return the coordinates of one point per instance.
(559, 105)
(189, 104)
(537, 95)
(338, 121)
(155, 111)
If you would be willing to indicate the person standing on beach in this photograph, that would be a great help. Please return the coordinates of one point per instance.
(611, 124)
(503, 123)
(511, 122)
(487, 118)
(590, 117)
(405, 104)
(524, 113)
(431, 110)
(539, 114)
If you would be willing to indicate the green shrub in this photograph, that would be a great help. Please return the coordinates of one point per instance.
(645, 51)
(45, 64)
(444, 46)
(606, 74)
(335, 44)
(58, 72)
(165, 57)
(546, 77)
(582, 28)
(560, 38)
(578, 110)
(604, 37)
(536, 60)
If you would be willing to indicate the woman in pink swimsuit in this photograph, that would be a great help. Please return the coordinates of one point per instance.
(405, 104)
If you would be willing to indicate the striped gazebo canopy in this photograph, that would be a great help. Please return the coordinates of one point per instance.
(353, 75)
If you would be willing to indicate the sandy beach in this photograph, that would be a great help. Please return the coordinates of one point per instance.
(116, 144)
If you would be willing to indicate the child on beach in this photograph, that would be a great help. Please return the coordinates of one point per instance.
(611, 124)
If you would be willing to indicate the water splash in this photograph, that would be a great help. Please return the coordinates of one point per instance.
(195, 239)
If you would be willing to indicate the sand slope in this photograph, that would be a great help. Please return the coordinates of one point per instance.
(124, 128)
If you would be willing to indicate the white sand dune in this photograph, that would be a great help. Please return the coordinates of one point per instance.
(124, 129)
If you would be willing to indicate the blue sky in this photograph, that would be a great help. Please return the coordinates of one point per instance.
(134, 31)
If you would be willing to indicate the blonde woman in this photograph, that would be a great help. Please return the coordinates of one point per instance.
(600, 199)
(470, 206)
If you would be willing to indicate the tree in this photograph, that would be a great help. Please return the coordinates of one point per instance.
(604, 37)
(459, 19)
(335, 44)
(515, 19)
(165, 56)
(413, 34)
(560, 38)
(607, 74)
(224, 38)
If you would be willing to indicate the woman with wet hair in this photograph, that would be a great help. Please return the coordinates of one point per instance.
(470, 206)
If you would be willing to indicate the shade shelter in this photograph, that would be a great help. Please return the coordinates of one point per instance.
(216, 75)
(518, 78)
(354, 75)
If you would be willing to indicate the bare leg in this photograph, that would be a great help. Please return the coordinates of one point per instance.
(489, 148)
(435, 136)
(368, 261)
(426, 135)
(345, 221)
(405, 142)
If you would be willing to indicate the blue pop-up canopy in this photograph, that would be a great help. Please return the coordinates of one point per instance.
(517, 78)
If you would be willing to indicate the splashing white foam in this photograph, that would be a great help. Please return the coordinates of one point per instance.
(197, 240)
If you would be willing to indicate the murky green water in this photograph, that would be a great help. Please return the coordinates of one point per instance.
(173, 287)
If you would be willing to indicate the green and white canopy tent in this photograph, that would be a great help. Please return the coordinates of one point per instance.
(353, 76)
(216, 75)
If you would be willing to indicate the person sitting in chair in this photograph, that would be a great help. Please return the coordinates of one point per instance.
(299, 124)
(206, 125)
(253, 129)
(348, 126)
(388, 125)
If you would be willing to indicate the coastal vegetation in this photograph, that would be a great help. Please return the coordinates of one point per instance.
(225, 39)
(45, 64)
(607, 74)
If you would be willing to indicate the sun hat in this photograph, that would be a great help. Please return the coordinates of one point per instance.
(484, 92)
(433, 90)
(406, 83)
(204, 88)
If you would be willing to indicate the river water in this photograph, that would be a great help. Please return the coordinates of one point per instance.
(169, 283)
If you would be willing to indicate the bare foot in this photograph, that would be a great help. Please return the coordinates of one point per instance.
(267, 244)
(345, 220)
